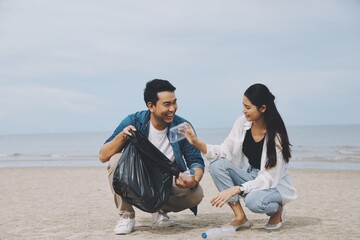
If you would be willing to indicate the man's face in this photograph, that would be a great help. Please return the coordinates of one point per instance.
(163, 112)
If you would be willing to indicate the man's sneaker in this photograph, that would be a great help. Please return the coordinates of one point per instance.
(124, 225)
(162, 220)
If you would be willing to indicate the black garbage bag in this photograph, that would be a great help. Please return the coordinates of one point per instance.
(144, 175)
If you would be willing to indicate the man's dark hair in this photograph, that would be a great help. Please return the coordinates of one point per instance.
(153, 87)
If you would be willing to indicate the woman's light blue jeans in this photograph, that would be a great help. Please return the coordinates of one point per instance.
(226, 175)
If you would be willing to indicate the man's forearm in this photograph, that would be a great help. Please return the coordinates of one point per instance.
(112, 147)
(198, 174)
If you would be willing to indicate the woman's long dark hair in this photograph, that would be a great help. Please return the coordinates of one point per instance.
(260, 95)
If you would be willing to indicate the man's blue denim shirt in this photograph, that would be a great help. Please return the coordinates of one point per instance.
(186, 155)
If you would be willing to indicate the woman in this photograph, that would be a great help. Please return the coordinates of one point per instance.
(252, 161)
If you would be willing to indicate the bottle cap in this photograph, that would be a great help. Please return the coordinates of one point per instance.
(204, 235)
(192, 171)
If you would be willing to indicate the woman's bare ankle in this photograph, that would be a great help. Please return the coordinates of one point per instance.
(238, 221)
(275, 219)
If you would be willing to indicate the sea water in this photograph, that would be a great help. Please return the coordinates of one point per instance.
(47, 150)
(324, 147)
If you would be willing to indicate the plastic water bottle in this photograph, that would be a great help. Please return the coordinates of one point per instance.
(177, 133)
(187, 173)
(219, 233)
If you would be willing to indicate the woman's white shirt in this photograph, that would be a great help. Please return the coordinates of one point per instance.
(275, 177)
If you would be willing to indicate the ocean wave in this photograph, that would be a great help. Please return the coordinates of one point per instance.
(4, 155)
(338, 159)
(349, 152)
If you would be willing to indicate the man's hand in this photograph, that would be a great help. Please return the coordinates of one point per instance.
(115, 145)
(127, 131)
(185, 181)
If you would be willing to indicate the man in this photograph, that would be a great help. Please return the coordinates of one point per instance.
(160, 99)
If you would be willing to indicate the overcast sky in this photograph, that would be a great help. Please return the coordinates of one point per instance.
(75, 66)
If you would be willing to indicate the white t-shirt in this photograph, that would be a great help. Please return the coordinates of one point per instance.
(160, 140)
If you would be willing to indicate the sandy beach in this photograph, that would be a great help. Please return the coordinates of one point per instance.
(75, 203)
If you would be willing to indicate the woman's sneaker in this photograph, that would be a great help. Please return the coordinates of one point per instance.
(278, 225)
(125, 225)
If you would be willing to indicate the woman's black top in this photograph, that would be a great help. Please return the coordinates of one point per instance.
(253, 150)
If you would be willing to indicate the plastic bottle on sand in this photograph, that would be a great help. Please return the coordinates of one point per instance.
(219, 233)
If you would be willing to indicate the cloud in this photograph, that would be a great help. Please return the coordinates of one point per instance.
(93, 37)
(63, 61)
(17, 100)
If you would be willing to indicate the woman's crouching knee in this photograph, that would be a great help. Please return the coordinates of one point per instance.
(216, 166)
(253, 203)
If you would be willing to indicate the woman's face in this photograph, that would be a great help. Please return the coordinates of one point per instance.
(252, 112)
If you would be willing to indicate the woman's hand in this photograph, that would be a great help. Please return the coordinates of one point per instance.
(190, 134)
(193, 139)
(222, 197)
